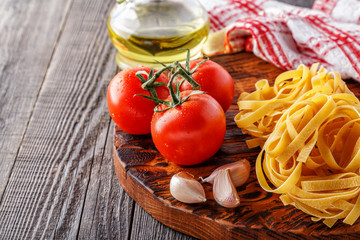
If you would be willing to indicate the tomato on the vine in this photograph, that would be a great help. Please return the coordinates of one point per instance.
(130, 112)
(214, 80)
(191, 132)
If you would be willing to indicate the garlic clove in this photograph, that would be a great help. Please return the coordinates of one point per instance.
(239, 171)
(224, 190)
(184, 188)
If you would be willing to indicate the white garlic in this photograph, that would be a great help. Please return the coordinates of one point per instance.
(224, 190)
(184, 188)
(239, 171)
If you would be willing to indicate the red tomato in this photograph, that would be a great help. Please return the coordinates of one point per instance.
(132, 113)
(214, 80)
(191, 132)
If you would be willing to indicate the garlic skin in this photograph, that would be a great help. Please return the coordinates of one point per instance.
(239, 171)
(184, 188)
(224, 190)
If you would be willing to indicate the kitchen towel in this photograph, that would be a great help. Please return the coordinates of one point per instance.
(287, 35)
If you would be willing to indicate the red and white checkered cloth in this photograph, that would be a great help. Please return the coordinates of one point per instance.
(288, 36)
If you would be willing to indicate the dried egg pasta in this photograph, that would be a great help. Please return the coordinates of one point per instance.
(308, 125)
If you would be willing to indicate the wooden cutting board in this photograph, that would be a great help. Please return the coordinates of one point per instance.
(145, 176)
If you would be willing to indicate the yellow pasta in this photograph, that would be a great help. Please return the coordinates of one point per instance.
(308, 125)
(261, 109)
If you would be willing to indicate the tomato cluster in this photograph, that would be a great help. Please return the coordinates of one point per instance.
(131, 112)
(187, 126)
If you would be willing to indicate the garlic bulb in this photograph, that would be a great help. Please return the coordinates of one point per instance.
(239, 171)
(184, 188)
(224, 190)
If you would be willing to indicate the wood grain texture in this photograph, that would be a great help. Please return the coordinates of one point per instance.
(108, 210)
(22, 69)
(145, 175)
(66, 136)
(146, 226)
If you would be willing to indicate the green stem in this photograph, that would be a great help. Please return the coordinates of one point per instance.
(192, 93)
(188, 60)
(176, 70)
(197, 65)
(174, 97)
(188, 78)
(155, 99)
(152, 78)
(139, 75)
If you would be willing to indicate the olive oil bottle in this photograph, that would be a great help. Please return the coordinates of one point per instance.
(146, 32)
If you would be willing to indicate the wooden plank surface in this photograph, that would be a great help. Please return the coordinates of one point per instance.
(66, 133)
(56, 173)
(23, 69)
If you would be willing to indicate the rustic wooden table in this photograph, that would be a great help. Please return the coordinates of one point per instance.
(57, 178)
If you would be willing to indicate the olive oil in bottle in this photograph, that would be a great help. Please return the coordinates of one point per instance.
(145, 31)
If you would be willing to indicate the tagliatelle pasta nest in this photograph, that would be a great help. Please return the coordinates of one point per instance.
(308, 125)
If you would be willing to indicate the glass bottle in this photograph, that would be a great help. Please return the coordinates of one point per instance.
(147, 31)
